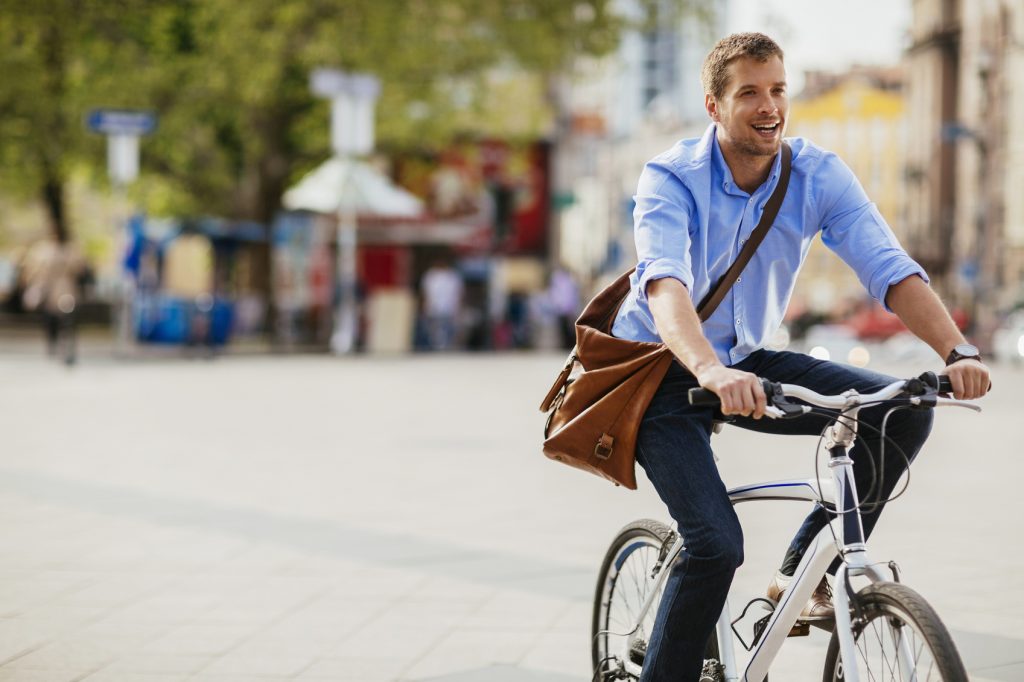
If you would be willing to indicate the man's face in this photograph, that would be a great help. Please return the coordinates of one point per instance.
(753, 111)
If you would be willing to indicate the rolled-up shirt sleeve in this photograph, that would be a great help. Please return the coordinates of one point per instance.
(662, 219)
(854, 229)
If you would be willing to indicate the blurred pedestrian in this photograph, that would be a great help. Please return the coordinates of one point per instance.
(53, 271)
(442, 290)
(564, 297)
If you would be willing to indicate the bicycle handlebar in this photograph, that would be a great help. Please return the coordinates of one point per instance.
(928, 385)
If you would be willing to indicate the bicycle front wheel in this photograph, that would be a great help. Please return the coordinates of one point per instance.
(900, 637)
(626, 580)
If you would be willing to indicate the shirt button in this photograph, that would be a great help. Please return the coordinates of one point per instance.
(738, 322)
(738, 280)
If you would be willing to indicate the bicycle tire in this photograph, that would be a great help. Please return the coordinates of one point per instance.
(893, 607)
(632, 555)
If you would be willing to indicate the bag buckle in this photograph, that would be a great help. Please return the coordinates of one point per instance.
(604, 447)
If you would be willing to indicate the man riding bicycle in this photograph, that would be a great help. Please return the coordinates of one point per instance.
(696, 205)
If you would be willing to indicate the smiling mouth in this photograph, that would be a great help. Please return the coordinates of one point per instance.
(767, 129)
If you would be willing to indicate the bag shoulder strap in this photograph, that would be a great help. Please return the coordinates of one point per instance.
(771, 210)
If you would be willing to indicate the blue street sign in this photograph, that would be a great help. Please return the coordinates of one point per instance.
(121, 122)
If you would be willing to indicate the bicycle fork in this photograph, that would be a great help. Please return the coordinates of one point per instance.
(840, 439)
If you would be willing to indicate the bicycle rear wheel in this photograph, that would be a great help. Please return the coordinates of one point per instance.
(894, 613)
(626, 580)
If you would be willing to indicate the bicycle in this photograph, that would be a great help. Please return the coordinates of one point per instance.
(885, 630)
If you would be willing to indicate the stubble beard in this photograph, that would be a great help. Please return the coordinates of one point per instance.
(748, 148)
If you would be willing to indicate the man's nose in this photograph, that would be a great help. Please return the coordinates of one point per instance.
(767, 105)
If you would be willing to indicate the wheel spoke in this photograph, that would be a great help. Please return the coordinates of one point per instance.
(908, 636)
(625, 593)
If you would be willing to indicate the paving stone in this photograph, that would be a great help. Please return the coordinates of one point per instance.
(355, 669)
(282, 526)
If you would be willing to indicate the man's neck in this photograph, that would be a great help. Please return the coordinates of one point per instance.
(748, 171)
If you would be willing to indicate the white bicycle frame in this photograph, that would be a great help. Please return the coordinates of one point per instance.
(844, 531)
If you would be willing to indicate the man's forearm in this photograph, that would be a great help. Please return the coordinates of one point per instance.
(679, 327)
(678, 324)
(920, 308)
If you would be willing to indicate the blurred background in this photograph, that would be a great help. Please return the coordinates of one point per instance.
(218, 180)
(282, 282)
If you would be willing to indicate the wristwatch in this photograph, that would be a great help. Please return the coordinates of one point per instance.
(963, 351)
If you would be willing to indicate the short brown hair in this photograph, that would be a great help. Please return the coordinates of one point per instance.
(715, 72)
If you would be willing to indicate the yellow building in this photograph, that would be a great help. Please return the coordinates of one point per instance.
(860, 116)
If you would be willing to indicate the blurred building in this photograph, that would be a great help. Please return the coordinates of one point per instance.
(965, 164)
(859, 114)
(617, 112)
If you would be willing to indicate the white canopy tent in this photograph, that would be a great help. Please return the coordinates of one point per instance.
(355, 186)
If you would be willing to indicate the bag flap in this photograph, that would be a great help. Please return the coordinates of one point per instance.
(577, 428)
(601, 310)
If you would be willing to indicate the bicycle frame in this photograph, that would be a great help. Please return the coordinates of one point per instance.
(845, 530)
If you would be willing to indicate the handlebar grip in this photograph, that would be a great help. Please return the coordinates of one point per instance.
(939, 382)
(703, 396)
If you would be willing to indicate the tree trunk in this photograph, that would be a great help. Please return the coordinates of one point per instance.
(53, 144)
(53, 199)
(259, 199)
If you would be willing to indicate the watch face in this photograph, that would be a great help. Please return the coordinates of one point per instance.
(966, 350)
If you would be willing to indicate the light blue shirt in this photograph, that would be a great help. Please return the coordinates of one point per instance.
(691, 221)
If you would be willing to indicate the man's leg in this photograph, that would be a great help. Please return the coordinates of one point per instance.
(51, 325)
(673, 447)
(908, 428)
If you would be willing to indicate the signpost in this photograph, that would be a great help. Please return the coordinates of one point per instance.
(123, 128)
(353, 97)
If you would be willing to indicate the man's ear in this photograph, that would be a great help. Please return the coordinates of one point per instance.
(711, 106)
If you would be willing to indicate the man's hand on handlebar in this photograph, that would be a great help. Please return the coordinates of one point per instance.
(740, 392)
(970, 379)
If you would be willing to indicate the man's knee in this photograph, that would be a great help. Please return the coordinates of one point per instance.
(924, 420)
(718, 551)
(908, 426)
(913, 426)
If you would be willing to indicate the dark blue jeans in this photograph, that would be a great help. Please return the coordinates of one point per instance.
(674, 448)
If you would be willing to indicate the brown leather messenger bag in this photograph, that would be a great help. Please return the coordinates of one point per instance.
(596, 403)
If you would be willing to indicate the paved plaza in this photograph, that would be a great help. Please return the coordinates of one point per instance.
(375, 519)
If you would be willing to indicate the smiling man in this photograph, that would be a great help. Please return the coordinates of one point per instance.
(696, 206)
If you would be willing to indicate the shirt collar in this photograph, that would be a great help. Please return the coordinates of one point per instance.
(728, 184)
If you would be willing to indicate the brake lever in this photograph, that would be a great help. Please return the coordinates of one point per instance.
(783, 409)
(953, 402)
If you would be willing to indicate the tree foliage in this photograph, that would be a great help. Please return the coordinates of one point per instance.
(229, 82)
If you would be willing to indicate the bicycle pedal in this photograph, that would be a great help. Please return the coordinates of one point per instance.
(800, 629)
(713, 671)
(826, 624)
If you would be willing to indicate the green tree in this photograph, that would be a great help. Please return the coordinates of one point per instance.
(229, 82)
(238, 121)
(42, 75)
